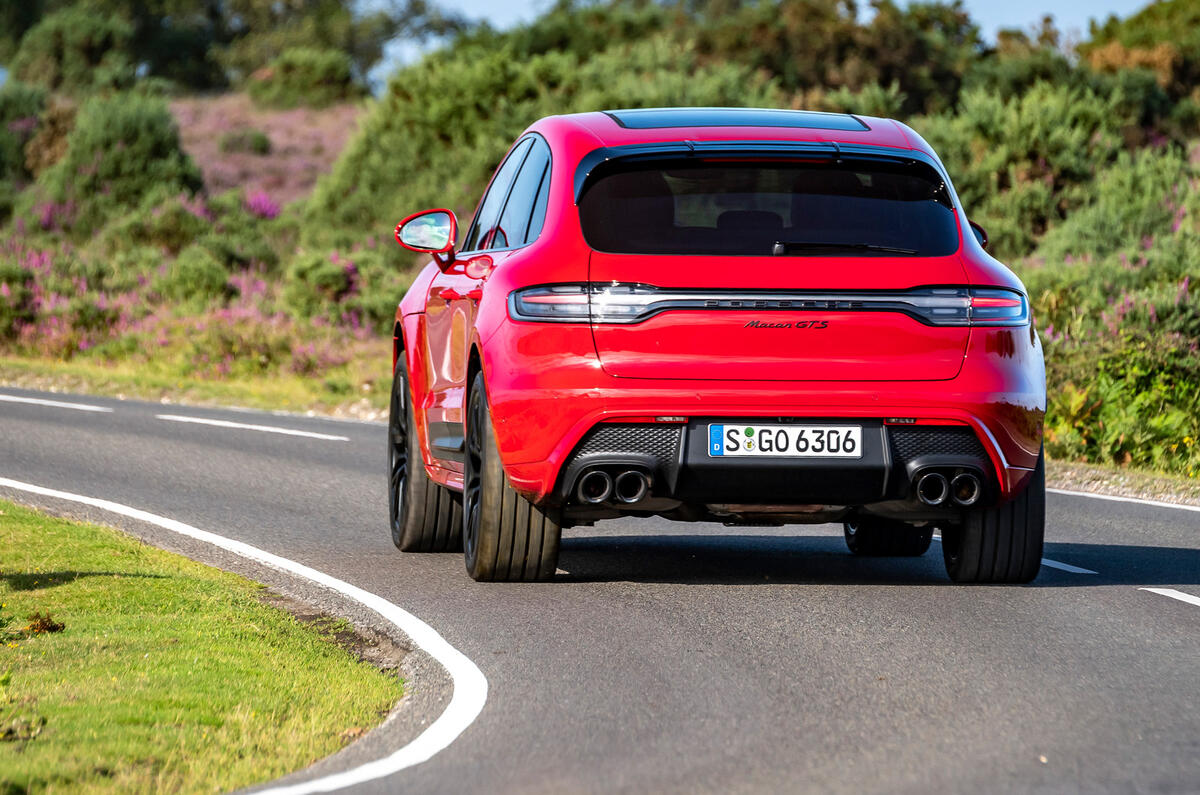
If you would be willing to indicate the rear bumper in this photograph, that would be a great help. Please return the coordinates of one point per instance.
(676, 458)
(546, 396)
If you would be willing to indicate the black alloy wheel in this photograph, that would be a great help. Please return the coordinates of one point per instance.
(424, 516)
(506, 538)
(1001, 543)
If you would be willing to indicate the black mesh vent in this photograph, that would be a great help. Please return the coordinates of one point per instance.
(908, 443)
(660, 441)
(614, 440)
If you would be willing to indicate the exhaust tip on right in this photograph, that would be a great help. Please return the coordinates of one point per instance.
(632, 486)
(965, 488)
(933, 488)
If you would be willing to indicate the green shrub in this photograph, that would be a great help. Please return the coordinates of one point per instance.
(315, 283)
(239, 238)
(121, 149)
(445, 123)
(76, 50)
(304, 76)
(1020, 164)
(49, 144)
(195, 277)
(16, 292)
(246, 140)
(871, 100)
(1135, 199)
(20, 106)
(8, 200)
(165, 222)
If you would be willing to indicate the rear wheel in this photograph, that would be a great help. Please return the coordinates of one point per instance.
(506, 538)
(886, 538)
(424, 516)
(1001, 544)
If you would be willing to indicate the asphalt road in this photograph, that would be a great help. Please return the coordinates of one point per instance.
(683, 658)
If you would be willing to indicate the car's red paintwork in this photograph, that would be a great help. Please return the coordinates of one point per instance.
(547, 385)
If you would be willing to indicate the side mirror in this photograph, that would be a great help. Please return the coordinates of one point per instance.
(429, 232)
(980, 234)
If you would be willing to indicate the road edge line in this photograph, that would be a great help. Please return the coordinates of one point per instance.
(469, 684)
(56, 404)
(1186, 598)
(1117, 498)
(244, 426)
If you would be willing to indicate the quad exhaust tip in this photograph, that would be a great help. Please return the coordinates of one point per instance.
(594, 487)
(965, 489)
(933, 488)
(632, 486)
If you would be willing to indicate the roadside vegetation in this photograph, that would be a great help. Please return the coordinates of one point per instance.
(126, 668)
(131, 246)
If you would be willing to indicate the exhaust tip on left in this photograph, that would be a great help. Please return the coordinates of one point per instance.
(594, 487)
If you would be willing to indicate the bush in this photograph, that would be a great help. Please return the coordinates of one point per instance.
(872, 100)
(1019, 164)
(20, 106)
(303, 76)
(16, 292)
(166, 223)
(195, 277)
(445, 123)
(1140, 196)
(76, 50)
(315, 283)
(121, 148)
(245, 140)
(49, 143)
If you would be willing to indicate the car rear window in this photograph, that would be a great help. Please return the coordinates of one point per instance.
(722, 206)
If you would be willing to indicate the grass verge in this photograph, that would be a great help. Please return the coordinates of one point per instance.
(125, 667)
(361, 392)
(1122, 482)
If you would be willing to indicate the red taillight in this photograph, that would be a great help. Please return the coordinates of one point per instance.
(607, 303)
(997, 307)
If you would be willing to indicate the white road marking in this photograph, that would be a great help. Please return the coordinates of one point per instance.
(57, 404)
(1054, 564)
(470, 685)
(241, 426)
(1171, 592)
(1135, 500)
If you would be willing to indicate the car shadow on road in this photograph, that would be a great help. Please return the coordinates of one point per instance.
(824, 560)
(33, 581)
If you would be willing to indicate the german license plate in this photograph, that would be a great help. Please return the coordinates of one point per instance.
(785, 441)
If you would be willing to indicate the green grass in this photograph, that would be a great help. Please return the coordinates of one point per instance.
(359, 387)
(166, 676)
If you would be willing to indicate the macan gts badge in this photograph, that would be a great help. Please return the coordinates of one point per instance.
(753, 317)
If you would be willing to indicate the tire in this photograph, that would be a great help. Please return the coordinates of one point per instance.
(1001, 544)
(424, 516)
(506, 538)
(874, 537)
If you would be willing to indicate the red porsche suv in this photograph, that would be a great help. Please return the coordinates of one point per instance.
(753, 317)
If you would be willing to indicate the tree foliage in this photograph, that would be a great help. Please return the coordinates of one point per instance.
(76, 51)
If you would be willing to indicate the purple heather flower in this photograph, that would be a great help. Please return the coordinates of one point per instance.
(260, 204)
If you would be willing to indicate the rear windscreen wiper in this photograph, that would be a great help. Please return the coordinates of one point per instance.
(783, 247)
